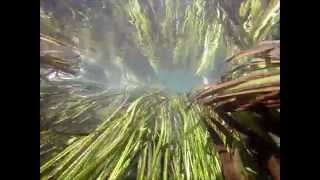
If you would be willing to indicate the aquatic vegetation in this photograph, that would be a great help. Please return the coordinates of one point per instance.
(130, 125)
(210, 47)
(143, 33)
(247, 98)
(149, 138)
(259, 20)
(176, 33)
(142, 135)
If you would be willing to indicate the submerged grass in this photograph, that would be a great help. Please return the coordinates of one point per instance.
(151, 137)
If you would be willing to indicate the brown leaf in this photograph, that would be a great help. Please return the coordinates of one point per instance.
(232, 83)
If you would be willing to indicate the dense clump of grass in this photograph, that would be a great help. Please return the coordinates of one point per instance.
(151, 137)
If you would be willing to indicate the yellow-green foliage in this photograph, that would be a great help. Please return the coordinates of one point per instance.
(139, 20)
(211, 44)
(251, 9)
(188, 33)
(166, 138)
(167, 24)
(199, 38)
(177, 34)
(254, 7)
(257, 21)
(266, 18)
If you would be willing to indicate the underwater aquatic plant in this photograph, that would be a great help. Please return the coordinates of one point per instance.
(169, 34)
(247, 99)
(150, 138)
(89, 130)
